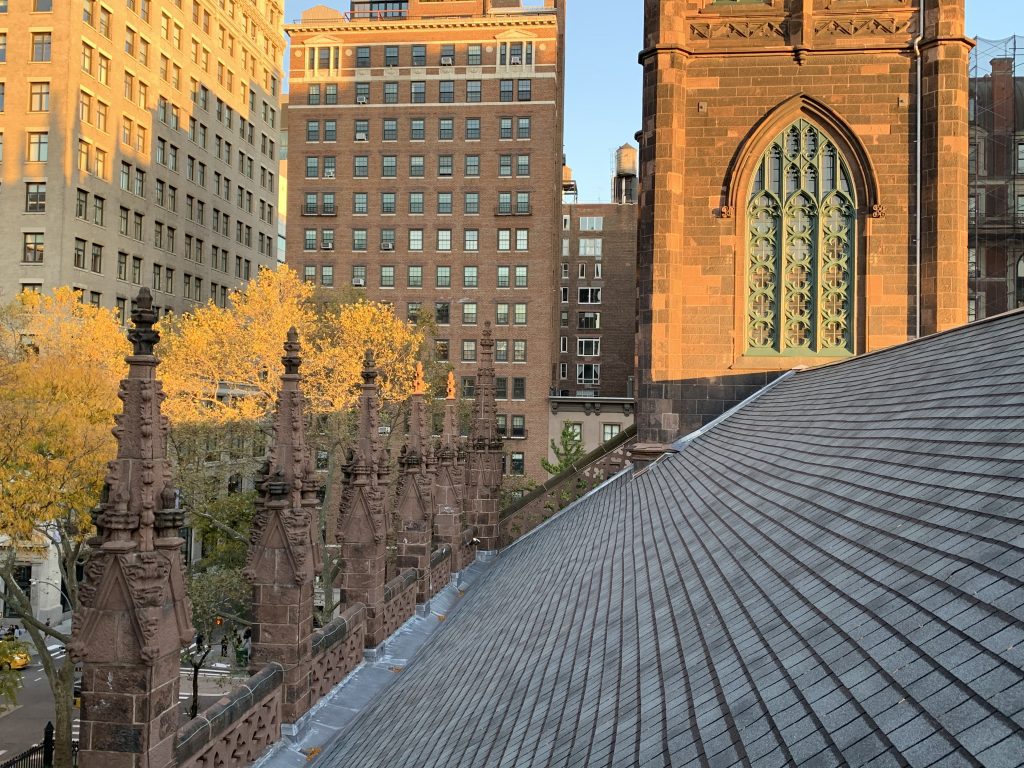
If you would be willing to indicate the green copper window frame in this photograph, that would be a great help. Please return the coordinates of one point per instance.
(802, 238)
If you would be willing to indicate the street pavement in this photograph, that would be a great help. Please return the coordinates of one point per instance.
(22, 726)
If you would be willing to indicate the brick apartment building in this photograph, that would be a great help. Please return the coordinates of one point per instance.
(995, 203)
(595, 337)
(138, 147)
(782, 192)
(425, 160)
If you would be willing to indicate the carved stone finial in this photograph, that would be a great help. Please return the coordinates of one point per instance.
(451, 385)
(369, 367)
(419, 384)
(142, 336)
(291, 359)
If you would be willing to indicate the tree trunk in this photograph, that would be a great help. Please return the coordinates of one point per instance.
(193, 710)
(62, 683)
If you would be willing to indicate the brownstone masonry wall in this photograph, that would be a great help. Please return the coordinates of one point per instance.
(721, 81)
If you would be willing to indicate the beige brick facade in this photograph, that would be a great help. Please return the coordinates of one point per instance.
(424, 168)
(126, 128)
(721, 81)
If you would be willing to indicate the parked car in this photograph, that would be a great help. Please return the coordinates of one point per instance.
(16, 660)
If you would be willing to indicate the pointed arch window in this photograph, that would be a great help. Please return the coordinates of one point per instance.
(801, 247)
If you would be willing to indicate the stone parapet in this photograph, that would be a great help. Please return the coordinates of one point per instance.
(337, 650)
(238, 728)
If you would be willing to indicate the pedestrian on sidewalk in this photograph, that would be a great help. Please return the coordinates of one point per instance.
(224, 645)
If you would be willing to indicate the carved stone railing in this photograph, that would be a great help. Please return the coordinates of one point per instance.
(238, 728)
(566, 487)
(399, 603)
(337, 650)
(440, 570)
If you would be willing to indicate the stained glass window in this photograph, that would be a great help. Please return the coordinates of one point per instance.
(802, 235)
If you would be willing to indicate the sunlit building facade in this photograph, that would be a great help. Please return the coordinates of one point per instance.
(139, 147)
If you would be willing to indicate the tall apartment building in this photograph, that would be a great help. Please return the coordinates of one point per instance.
(425, 147)
(596, 333)
(995, 203)
(138, 146)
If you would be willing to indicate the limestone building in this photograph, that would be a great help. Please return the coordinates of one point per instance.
(803, 191)
(425, 153)
(139, 147)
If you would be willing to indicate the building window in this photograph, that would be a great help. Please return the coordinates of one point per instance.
(472, 241)
(469, 313)
(503, 276)
(42, 46)
(501, 314)
(79, 255)
(468, 351)
(519, 314)
(501, 388)
(419, 55)
(801, 247)
(519, 351)
(442, 313)
(443, 277)
(519, 388)
(501, 352)
(472, 165)
(505, 90)
(415, 276)
(472, 202)
(588, 373)
(588, 347)
(35, 197)
(469, 277)
(39, 97)
(415, 202)
(444, 239)
(446, 91)
(418, 92)
(517, 463)
(390, 130)
(468, 386)
(416, 167)
(523, 128)
(525, 90)
(387, 277)
(591, 223)
(34, 247)
(473, 91)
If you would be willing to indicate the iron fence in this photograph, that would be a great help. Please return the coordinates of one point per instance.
(41, 755)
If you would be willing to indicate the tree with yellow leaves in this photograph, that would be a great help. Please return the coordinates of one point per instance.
(221, 372)
(60, 365)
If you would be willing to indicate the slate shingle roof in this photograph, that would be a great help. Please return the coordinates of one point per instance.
(832, 575)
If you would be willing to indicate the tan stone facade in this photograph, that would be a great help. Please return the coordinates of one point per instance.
(125, 133)
(723, 85)
(425, 159)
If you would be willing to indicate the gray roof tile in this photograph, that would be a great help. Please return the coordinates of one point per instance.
(832, 575)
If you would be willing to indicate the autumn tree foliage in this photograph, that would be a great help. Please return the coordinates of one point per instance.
(221, 371)
(60, 365)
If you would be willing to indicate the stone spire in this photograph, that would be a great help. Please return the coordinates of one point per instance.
(361, 521)
(449, 480)
(284, 553)
(483, 468)
(133, 615)
(415, 491)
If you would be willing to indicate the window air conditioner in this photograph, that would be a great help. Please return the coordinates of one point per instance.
(516, 59)
(387, 245)
(362, 100)
(328, 174)
(447, 61)
(358, 282)
(361, 137)
(327, 245)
